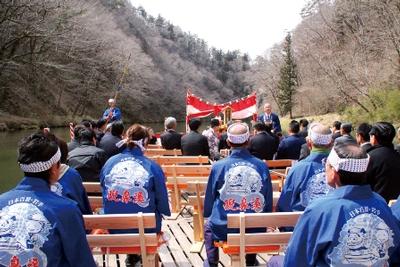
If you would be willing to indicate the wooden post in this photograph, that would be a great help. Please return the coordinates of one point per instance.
(242, 252)
(200, 208)
(142, 240)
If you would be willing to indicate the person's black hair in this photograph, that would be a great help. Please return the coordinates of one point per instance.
(34, 148)
(194, 124)
(117, 128)
(352, 151)
(259, 126)
(62, 145)
(77, 131)
(304, 123)
(363, 130)
(337, 125)
(100, 123)
(87, 123)
(86, 136)
(214, 123)
(294, 126)
(346, 127)
(384, 133)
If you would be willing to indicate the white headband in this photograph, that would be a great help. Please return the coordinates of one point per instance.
(41, 166)
(238, 138)
(139, 143)
(350, 165)
(320, 139)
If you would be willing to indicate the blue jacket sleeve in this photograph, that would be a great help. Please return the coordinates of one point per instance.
(210, 195)
(73, 236)
(268, 191)
(396, 210)
(105, 114)
(81, 195)
(117, 114)
(281, 153)
(160, 189)
(286, 197)
(311, 237)
(277, 126)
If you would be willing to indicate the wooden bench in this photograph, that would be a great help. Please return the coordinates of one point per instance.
(170, 160)
(197, 202)
(144, 244)
(96, 203)
(177, 178)
(162, 152)
(279, 163)
(154, 146)
(238, 245)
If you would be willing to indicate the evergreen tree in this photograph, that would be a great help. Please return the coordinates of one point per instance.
(288, 81)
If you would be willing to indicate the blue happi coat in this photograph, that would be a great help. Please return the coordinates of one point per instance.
(133, 183)
(40, 228)
(70, 185)
(305, 182)
(240, 182)
(396, 210)
(116, 114)
(351, 226)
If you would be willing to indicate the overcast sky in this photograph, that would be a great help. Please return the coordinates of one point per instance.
(250, 26)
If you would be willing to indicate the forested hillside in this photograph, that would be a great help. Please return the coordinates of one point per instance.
(347, 53)
(65, 58)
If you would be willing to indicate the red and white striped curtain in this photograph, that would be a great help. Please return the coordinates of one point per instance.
(241, 108)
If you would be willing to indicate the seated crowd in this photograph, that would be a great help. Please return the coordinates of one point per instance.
(342, 184)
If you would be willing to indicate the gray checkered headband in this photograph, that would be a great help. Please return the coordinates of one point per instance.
(41, 166)
(320, 139)
(238, 138)
(350, 165)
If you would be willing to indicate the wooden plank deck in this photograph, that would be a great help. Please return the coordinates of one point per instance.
(177, 252)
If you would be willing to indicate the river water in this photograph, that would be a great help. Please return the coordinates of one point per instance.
(10, 174)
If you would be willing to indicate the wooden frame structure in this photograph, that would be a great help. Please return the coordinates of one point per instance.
(238, 245)
(142, 243)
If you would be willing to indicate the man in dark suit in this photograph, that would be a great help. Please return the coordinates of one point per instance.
(362, 136)
(336, 129)
(268, 117)
(262, 145)
(384, 168)
(110, 139)
(170, 139)
(345, 132)
(193, 143)
(289, 147)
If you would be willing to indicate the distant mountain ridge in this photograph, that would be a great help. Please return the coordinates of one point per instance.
(65, 58)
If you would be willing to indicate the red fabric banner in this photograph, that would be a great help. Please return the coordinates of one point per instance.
(241, 108)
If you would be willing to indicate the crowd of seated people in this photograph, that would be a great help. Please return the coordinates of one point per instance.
(353, 177)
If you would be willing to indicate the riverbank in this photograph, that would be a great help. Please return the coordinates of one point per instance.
(15, 123)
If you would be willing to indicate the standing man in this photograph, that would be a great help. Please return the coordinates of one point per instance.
(238, 183)
(170, 139)
(351, 226)
(112, 113)
(270, 118)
